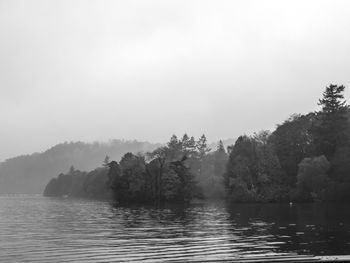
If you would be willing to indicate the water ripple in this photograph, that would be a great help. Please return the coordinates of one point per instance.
(37, 229)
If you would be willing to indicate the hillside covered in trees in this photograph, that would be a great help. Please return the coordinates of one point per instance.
(28, 174)
(306, 158)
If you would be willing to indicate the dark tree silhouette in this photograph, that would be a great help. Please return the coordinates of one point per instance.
(331, 122)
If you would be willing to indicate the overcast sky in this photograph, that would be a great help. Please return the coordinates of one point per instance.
(96, 70)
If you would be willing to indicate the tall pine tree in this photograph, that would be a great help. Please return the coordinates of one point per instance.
(330, 127)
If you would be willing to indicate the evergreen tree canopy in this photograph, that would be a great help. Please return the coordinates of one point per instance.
(330, 127)
(202, 146)
(333, 99)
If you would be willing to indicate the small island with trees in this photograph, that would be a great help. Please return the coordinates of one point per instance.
(306, 159)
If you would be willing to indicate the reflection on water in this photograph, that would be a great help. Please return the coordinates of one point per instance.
(38, 229)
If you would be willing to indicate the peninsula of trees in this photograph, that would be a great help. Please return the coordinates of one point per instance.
(307, 158)
(177, 172)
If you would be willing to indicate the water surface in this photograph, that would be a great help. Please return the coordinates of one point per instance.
(39, 229)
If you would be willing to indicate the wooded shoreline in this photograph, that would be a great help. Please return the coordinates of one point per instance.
(306, 159)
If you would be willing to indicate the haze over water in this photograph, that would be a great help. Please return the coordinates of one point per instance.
(38, 229)
(89, 70)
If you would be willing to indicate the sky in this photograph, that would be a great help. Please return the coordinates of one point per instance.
(87, 70)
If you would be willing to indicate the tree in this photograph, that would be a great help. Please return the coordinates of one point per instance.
(114, 177)
(202, 151)
(215, 187)
(174, 147)
(133, 178)
(157, 166)
(188, 145)
(341, 164)
(106, 161)
(96, 184)
(333, 100)
(331, 122)
(185, 140)
(292, 142)
(202, 146)
(271, 179)
(241, 170)
(262, 137)
(171, 177)
(71, 170)
(312, 178)
(253, 171)
(220, 159)
(186, 180)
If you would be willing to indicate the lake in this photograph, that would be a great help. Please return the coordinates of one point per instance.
(38, 229)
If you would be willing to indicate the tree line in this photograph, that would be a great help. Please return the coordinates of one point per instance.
(181, 170)
(306, 158)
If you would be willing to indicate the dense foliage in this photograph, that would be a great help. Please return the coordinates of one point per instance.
(81, 184)
(306, 158)
(177, 172)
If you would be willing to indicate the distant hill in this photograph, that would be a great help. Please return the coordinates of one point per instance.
(29, 174)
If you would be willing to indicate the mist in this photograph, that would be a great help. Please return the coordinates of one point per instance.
(91, 70)
(174, 130)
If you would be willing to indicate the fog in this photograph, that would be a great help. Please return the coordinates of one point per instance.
(95, 70)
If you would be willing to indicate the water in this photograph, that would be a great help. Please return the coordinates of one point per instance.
(38, 229)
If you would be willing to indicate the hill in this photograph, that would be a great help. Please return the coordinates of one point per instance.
(28, 174)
